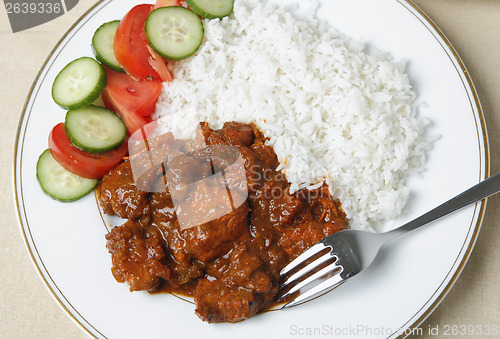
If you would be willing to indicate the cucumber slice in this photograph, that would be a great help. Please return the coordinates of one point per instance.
(79, 83)
(174, 32)
(58, 182)
(211, 9)
(94, 129)
(102, 45)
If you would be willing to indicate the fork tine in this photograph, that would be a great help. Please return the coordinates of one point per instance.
(332, 268)
(301, 259)
(322, 288)
(308, 268)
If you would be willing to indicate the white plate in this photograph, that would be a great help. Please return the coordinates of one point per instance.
(405, 284)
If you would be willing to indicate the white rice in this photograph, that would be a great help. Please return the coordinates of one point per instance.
(331, 111)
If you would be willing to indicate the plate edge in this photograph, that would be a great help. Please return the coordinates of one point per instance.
(485, 144)
(15, 178)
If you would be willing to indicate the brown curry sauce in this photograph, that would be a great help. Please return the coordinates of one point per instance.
(231, 264)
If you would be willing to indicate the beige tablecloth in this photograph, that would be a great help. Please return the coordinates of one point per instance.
(27, 309)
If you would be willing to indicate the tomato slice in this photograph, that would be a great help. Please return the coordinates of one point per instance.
(132, 120)
(166, 3)
(159, 65)
(133, 100)
(85, 164)
(130, 43)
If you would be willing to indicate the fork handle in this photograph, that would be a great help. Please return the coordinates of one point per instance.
(478, 192)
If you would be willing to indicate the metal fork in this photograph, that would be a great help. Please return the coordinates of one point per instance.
(344, 254)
